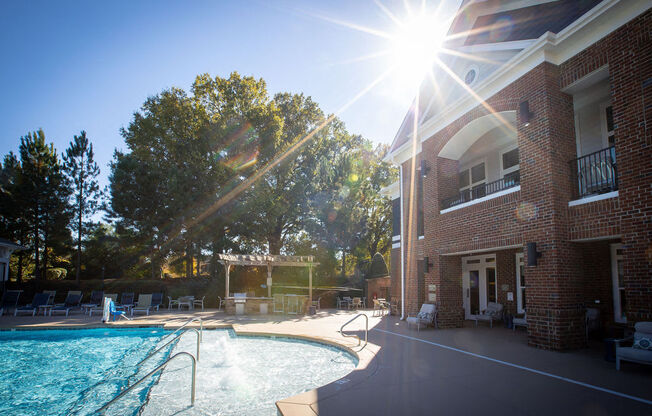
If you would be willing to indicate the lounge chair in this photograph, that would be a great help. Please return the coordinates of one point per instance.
(157, 300)
(493, 313)
(70, 292)
(126, 301)
(199, 302)
(641, 350)
(100, 308)
(95, 301)
(40, 299)
(52, 294)
(144, 304)
(72, 303)
(519, 322)
(10, 300)
(426, 316)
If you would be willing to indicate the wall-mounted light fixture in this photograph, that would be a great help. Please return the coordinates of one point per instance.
(424, 168)
(526, 115)
(426, 265)
(532, 254)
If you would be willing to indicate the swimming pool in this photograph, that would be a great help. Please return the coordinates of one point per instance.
(72, 372)
(76, 371)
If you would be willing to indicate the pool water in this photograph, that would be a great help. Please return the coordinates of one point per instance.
(72, 372)
(245, 375)
(75, 372)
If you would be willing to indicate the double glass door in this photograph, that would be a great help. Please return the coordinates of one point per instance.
(479, 283)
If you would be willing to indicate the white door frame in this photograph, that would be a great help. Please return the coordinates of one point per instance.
(519, 292)
(483, 262)
(618, 312)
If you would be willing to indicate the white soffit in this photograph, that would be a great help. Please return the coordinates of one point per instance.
(463, 139)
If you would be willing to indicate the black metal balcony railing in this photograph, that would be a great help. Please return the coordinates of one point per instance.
(508, 181)
(595, 173)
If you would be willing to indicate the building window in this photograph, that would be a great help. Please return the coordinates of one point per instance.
(471, 76)
(520, 284)
(472, 181)
(492, 289)
(396, 217)
(510, 164)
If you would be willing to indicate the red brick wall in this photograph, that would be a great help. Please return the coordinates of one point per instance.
(595, 219)
(506, 273)
(628, 52)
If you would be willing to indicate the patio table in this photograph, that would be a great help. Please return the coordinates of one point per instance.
(47, 309)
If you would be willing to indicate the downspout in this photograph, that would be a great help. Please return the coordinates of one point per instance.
(402, 243)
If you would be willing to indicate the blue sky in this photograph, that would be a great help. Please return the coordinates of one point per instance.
(69, 66)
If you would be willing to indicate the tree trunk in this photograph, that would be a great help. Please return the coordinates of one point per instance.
(19, 276)
(79, 237)
(343, 264)
(189, 260)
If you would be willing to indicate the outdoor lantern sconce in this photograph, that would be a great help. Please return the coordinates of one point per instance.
(424, 168)
(532, 254)
(426, 265)
(526, 115)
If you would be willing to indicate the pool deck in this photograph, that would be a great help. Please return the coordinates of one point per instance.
(403, 371)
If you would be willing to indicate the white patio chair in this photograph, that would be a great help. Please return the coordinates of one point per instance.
(221, 303)
(493, 313)
(186, 301)
(199, 302)
(427, 316)
(519, 322)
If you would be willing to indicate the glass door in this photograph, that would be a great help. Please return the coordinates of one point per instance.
(479, 284)
(617, 277)
(520, 283)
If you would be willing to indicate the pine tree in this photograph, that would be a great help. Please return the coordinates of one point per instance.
(82, 172)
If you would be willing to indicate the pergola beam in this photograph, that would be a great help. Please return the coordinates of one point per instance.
(269, 261)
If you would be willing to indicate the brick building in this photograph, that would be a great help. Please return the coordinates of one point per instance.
(526, 169)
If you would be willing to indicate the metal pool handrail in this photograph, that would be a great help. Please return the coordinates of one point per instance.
(201, 328)
(366, 330)
(160, 367)
(170, 342)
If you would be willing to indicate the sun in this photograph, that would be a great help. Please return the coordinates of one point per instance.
(414, 45)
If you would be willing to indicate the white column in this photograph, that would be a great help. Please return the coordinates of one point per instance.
(310, 282)
(269, 280)
(226, 267)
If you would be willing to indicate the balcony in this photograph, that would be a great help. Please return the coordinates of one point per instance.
(508, 181)
(595, 173)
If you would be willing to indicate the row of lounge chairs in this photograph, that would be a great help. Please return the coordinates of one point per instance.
(73, 303)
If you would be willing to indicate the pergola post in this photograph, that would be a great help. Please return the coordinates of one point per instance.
(310, 282)
(226, 267)
(269, 279)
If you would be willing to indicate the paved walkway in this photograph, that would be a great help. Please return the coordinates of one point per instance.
(455, 371)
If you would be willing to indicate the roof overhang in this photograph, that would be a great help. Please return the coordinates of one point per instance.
(463, 139)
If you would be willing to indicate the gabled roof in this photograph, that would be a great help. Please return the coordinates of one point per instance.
(527, 22)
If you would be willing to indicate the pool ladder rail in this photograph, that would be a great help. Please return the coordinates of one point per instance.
(167, 361)
(366, 330)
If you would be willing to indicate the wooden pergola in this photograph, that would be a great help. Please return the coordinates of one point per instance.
(269, 261)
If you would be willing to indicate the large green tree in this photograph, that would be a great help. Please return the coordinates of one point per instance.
(82, 172)
(44, 193)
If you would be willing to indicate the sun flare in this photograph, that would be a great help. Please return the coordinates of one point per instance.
(415, 44)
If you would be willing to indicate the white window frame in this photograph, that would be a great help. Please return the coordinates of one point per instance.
(519, 289)
(468, 167)
(618, 312)
(514, 168)
(603, 123)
